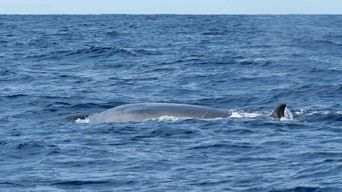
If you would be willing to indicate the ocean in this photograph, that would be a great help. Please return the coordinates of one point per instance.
(54, 66)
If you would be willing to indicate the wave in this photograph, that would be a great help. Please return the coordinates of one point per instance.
(17, 149)
(15, 96)
(94, 52)
(78, 182)
(317, 112)
(113, 33)
(319, 115)
(316, 43)
(303, 189)
(9, 184)
(216, 32)
(213, 145)
(326, 70)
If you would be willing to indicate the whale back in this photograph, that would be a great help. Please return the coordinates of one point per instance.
(145, 111)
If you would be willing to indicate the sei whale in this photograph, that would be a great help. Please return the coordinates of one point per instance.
(147, 111)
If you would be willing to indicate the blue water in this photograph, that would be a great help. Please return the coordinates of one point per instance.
(53, 66)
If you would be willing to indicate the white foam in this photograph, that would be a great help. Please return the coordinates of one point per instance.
(234, 114)
(287, 114)
(300, 112)
(285, 119)
(129, 50)
(168, 118)
(78, 120)
(317, 112)
(242, 114)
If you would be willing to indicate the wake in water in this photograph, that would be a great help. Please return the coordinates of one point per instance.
(319, 115)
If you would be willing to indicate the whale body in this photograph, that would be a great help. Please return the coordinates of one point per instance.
(147, 111)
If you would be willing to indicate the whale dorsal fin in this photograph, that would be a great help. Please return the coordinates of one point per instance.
(279, 111)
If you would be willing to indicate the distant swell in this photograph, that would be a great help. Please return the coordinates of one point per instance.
(305, 189)
(94, 52)
(77, 183)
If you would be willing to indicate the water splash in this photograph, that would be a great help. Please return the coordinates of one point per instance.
(242, 114)
(168, 118)
(287, 114)
(317, 112)
(79, 120)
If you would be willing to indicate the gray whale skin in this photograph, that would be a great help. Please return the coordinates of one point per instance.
(146, 111)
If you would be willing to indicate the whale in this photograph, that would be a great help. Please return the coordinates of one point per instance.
(148, 111)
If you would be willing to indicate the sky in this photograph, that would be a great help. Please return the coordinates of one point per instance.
(170, 6)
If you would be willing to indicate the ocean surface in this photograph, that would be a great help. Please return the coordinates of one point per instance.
(54, 66)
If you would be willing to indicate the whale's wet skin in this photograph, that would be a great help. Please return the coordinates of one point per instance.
(146, 111)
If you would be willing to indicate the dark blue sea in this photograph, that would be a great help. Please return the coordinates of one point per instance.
(54, 66)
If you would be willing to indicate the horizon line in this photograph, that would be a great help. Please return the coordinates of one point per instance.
(194, 14)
